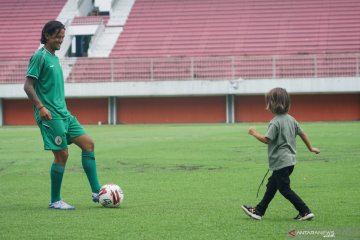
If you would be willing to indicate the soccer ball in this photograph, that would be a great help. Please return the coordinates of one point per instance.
(111, 195)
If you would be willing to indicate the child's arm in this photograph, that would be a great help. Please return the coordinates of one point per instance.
(252, 131)
(308, 144)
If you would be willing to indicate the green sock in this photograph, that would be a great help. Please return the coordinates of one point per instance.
(56, 176)
(89, 165)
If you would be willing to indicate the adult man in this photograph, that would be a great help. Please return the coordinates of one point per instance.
(44, 86)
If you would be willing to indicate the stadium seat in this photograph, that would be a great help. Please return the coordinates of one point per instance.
(20, 31)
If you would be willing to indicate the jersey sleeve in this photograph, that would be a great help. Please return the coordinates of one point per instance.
(35, 65)
(272, 131)
(298, 129)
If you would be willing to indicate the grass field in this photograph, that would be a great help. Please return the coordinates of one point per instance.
(180, 182)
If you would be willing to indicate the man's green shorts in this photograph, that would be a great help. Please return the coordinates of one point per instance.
(57, 133)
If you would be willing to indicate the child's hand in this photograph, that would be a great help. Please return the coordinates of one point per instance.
(252, 130)
(315, 150)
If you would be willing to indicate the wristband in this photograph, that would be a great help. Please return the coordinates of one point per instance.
(40, 107)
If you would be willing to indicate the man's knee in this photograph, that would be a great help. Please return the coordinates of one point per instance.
(85, 143)
(61, 156)
(89, 146)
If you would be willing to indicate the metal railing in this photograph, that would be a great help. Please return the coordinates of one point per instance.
(195, 68)
(88, 20)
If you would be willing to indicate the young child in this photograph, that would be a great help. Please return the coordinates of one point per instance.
(280, 138)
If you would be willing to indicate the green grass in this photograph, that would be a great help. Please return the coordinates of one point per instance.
(180, 182)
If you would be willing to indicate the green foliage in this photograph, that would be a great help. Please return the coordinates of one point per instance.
(180, 182)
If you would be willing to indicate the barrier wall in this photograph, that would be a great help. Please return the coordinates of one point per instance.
(205, 109)
(172, 110)
(325, 107)
(18, 112)
(87, 111)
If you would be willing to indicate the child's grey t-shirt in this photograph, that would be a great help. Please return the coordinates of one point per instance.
(282, 131)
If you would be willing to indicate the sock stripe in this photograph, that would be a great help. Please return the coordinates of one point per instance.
(88, 155)
(58, 168)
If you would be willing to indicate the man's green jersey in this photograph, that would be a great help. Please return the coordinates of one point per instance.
(49, 86)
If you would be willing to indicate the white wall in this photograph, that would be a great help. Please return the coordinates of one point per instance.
(197, 88)
(103, 5)
(82, 30)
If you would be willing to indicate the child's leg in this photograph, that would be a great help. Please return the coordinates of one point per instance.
(283, 178)
(271, 188)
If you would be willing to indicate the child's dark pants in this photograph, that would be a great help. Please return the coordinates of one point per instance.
(280, 180)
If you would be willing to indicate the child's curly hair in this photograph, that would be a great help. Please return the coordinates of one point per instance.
(278, 101)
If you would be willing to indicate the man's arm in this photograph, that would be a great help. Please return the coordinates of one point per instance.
(252, 131)
(30, 92)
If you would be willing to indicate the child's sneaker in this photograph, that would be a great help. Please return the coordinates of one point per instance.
(305, 216)
(95, 197)
(251, 212)
(61, 205)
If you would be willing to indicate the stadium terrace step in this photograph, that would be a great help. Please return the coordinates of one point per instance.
(18, 40)
(231, 27)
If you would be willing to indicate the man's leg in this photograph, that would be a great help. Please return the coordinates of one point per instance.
(56, 175)
(57, 172)
(88, 160)
(53, 133)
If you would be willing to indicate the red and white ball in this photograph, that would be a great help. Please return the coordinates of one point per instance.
(111, 196)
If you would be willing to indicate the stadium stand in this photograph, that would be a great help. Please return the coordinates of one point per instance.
(230, 39)
(310, 46)
(90, 20)
(203, 39)
(237, 28)
(21, 24)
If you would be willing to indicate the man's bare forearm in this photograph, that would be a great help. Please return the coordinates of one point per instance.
(30, 92)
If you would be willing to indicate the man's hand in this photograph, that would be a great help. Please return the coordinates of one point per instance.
(45, 114)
